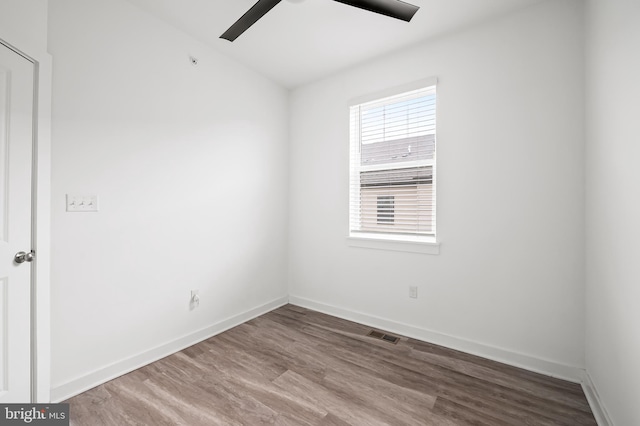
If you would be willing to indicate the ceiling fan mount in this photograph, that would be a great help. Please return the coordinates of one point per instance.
(392, 8)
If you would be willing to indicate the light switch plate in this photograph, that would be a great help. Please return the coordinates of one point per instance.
(82, 203)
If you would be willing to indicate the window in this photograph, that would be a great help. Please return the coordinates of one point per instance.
(385, 208)
(392, 166)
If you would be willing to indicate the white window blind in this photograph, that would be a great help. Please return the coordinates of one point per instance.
(392, 165)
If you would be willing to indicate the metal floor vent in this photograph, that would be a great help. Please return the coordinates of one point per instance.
(386, 337)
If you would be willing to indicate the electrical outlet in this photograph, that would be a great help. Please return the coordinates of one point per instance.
(194, 302)
(413, 292)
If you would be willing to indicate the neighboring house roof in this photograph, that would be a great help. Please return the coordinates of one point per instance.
(398, 150)
(396, 177)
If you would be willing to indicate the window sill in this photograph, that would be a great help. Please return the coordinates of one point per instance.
(395, 243)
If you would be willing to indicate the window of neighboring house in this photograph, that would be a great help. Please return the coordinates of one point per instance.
(392, 166)
(385, 208)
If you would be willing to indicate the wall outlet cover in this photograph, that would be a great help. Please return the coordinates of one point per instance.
(413, 292)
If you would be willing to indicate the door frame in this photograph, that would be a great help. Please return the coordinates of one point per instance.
(40, 220)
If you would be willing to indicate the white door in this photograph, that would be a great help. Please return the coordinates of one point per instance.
(16, 141)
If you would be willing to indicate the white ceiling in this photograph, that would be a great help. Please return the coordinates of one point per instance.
(300, 41)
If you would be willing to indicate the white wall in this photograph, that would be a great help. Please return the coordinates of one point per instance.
(190, 166)
(510, 194)
(24, 23)
(613, 206)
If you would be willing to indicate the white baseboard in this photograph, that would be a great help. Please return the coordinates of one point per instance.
(597, 407)
(550, 368)
(117, 369)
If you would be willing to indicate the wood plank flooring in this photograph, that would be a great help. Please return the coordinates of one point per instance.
(298, 367)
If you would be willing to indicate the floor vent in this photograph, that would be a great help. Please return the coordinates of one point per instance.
(386, 337)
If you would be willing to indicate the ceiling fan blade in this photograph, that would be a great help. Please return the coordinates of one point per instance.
(393, 8)
(256, 12)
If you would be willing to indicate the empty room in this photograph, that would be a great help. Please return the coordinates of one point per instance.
(319, 212)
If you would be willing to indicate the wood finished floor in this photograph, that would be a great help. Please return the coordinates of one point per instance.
(298, 367)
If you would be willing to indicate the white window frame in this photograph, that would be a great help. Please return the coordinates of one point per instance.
(427, 244)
